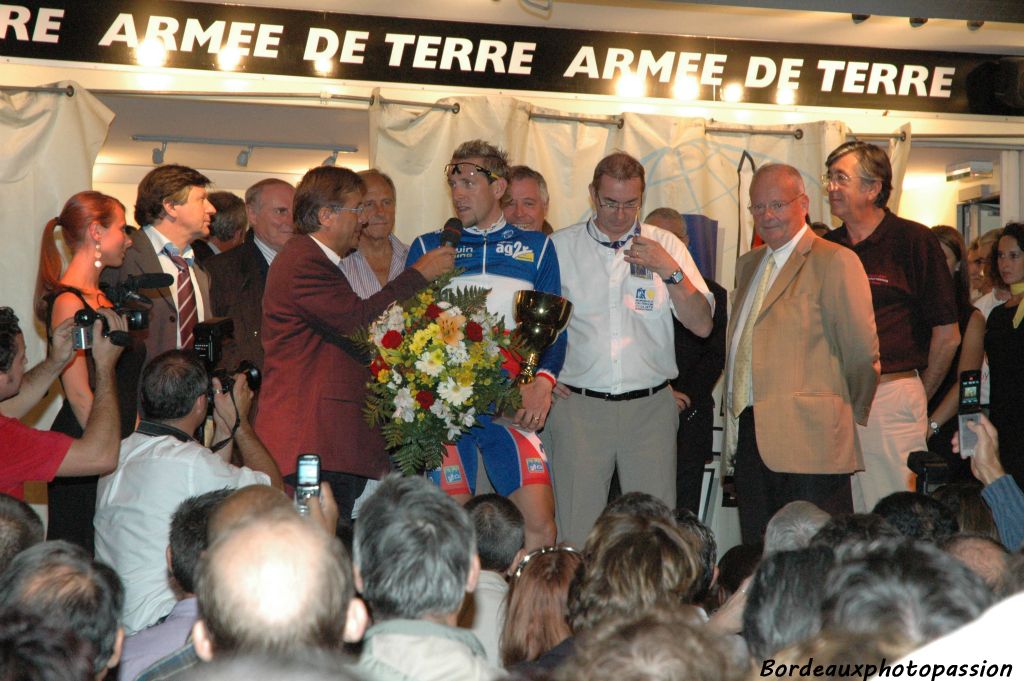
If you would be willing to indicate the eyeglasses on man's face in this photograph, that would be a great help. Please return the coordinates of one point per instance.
(840, 179)
(358, 210)
(616, 207)
(773, 206)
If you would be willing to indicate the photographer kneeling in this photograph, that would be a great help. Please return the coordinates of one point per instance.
(29, 454)
(161, 465)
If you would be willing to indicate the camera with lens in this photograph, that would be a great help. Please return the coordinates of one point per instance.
(210, 337)
(227, 378)
(81, 333)
(129, 303)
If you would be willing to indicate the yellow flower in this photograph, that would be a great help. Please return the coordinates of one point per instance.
(450, 328)
(420, 340)
(383, 375)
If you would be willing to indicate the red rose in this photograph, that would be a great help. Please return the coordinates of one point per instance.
(378, 365)
(433, 311)
(425, 398)
(391, 340)
(474, 332)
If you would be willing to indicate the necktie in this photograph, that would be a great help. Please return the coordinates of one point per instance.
(742, 379)
(187, 313)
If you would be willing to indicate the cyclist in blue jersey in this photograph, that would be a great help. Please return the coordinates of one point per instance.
(505, 259)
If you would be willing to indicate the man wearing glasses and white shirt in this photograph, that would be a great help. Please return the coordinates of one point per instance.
(625, 280)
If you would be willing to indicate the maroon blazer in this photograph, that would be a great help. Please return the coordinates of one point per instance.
(313, 389)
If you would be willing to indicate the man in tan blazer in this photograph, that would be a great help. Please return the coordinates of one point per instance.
(802, 361)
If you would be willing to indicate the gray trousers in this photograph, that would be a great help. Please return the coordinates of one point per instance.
(589, 437)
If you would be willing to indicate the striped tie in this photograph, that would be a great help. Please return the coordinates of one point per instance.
(187, 313)
(742, 369)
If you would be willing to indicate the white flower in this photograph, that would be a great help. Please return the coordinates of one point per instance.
(457, 352)
(430, 364)
(453, 432)
(396, 378)
(441, 411)
(454, 393)
(390, 320)
(404, 404)
(469, 418)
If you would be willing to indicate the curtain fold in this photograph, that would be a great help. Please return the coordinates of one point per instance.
(899, 156)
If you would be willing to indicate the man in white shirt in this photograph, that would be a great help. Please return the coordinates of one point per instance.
(161, 465)
(626, 280)
(803, 369)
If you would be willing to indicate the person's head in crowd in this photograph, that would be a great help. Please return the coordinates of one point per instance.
(778, 203)
(328, 207)
(243, 504)
(227, 229)
(917, 516)
(92, 226)
(631, 564)
(707, 550)
(964, 500)
(1006, 263)
(268, 205)
(499, 532)
(379, 204)
(537, 614)
(638, 504)
(188, 536)
(526, 202)
(670, 220)
(836, 649)
(305, 665)
(32, 649)
(901, 589)
(414, 551)
(792, 526)
(20, 528)
(985, 556)
(275, 584)
(617, 193)
(784, 599)
(820, 228)
(173, 199)
(854, 527)
(174, 389)
(955, 252)
(13, 360)
(61, 584)
(478, 179)
(734, 566)
(659, 645)
(979, 256)
(859, 180)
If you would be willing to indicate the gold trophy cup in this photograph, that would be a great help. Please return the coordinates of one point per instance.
(540, 317)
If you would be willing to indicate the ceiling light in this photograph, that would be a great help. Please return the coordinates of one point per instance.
(686, 88)
(323, 66)
(151, 53)
(630, 85)
(918, 22)
(860, 18)
(242, 160)
(974, 24)
(332, 159)
(229, 58)
(733, 92)
(785, 96)
(158, 154)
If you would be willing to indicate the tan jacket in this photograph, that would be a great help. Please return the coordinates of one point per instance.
(815, 359)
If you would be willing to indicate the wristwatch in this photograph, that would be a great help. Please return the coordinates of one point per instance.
(934, 427)
(674, 278)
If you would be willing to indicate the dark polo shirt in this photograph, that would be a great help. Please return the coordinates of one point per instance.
(911, 289)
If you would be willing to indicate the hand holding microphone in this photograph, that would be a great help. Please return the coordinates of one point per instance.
(434, 263)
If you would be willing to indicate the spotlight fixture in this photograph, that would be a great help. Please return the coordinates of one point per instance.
(860, 18)
(974, 24)
(242, 160)
(332, 159)
(158, 154)
(918, 22)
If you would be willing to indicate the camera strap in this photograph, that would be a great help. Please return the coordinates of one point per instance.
(157, 429)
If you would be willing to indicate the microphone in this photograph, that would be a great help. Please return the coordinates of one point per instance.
(451, 233)
(148, 280)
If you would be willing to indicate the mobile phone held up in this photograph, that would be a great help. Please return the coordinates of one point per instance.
(969, 411)
(307, 474)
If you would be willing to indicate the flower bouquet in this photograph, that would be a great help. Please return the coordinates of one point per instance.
(436, 368)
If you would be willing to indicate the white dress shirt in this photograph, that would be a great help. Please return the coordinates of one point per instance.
(781, 257)
(620, 334)
(159, 241)
(134, 505)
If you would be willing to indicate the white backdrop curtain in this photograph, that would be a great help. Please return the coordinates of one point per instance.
(899, 156)
(48, 144)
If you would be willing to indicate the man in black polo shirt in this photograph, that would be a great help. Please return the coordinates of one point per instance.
(915, 313)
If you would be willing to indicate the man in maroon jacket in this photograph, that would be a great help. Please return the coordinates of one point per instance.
(314, 387)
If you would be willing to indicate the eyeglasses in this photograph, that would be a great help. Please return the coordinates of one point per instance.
(841, 180)
(616, 207)
(540, 552)
(358, 210)
(467, 169)
(773, 206)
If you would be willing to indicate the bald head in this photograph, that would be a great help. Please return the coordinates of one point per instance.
(277, 583)
(243, 504)
(778, 203)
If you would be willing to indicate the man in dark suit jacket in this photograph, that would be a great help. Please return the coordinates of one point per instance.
(803, 371)
(314, 387)
(238, 277)
(172, 211)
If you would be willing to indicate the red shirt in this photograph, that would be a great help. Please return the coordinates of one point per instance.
(28, 454)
